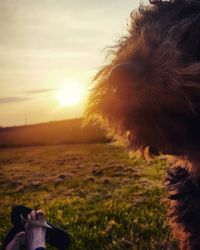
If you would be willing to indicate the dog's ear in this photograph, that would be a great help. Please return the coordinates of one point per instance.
(125, 73)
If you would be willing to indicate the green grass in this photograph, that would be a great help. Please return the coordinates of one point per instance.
(104, 199)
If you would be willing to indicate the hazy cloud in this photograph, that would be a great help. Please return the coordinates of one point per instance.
(38, 91)
(13, 99)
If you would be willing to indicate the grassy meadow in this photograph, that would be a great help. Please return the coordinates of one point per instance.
(95, 191)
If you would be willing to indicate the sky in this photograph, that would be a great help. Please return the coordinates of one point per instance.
(45, 44)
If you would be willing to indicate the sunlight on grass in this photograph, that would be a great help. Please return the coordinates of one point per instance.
(103, 199)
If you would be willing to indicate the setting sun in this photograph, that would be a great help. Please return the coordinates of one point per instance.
(70, 93)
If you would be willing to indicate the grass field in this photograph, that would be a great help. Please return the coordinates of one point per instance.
(103, 198)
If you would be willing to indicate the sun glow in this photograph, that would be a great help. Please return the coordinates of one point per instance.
(70, 94)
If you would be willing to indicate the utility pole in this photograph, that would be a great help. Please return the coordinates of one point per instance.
(26, 121)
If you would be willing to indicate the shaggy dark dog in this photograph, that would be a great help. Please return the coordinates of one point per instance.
(149, 96)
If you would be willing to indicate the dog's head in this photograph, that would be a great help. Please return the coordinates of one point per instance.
(149, 92)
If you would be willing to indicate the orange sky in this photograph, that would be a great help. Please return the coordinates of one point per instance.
(49, 43)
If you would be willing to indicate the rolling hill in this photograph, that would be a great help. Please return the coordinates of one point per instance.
(51, 133)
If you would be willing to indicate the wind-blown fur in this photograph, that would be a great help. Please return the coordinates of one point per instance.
(149, 95)
(184, 213)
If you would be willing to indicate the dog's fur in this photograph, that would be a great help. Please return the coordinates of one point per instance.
(149, 95)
